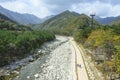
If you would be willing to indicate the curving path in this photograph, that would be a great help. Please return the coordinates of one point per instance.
(80, 66)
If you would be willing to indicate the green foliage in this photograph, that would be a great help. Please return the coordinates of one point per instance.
(117, 53)
(117, 60)
(78, 36)
(109, 40)
(101, 37)
(17, 44)
(7, 25)
(67, 23)
(81, 35)
(116, 29)
(58, 22)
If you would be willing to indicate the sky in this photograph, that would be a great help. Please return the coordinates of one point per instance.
(43, 8)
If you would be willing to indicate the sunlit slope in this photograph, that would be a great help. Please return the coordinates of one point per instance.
(66, 23)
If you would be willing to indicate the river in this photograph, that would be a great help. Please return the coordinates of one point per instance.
(57, 62)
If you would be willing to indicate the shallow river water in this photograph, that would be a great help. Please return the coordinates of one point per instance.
(57, 62)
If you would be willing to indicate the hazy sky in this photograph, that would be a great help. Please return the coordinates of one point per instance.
(42, 8)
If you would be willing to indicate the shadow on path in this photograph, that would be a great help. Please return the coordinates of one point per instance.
(79, 65)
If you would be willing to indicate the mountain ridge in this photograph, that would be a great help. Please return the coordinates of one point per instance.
(8, 24)
(20, 18)
(66, 22)
(3, 17)
(61, 16)
(107, 20)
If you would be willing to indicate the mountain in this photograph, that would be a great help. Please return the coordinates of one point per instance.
(106, 20)
(3, 17)
(116, 22)
(8, 24)
(20, 18)
(66, 22)
(47, 17)
(58, 22)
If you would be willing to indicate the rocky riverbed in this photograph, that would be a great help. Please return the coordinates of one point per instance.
(55, 61)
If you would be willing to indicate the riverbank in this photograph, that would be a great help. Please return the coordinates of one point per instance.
(57, 64)
(55, 60)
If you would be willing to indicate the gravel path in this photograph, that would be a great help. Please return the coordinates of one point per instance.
(81, 68)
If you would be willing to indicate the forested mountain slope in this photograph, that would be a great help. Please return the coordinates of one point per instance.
(8, 24)
(66, 23)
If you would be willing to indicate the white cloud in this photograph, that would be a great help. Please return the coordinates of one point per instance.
(16, 6)
(100, 8)
(6, 0)
(35, 2)
(43, 8)
(38, 8)
(35, 7)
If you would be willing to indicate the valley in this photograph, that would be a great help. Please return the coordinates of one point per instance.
(64, 46)
(46, 66)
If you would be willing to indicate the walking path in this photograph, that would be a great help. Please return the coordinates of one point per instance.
(80, 66)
